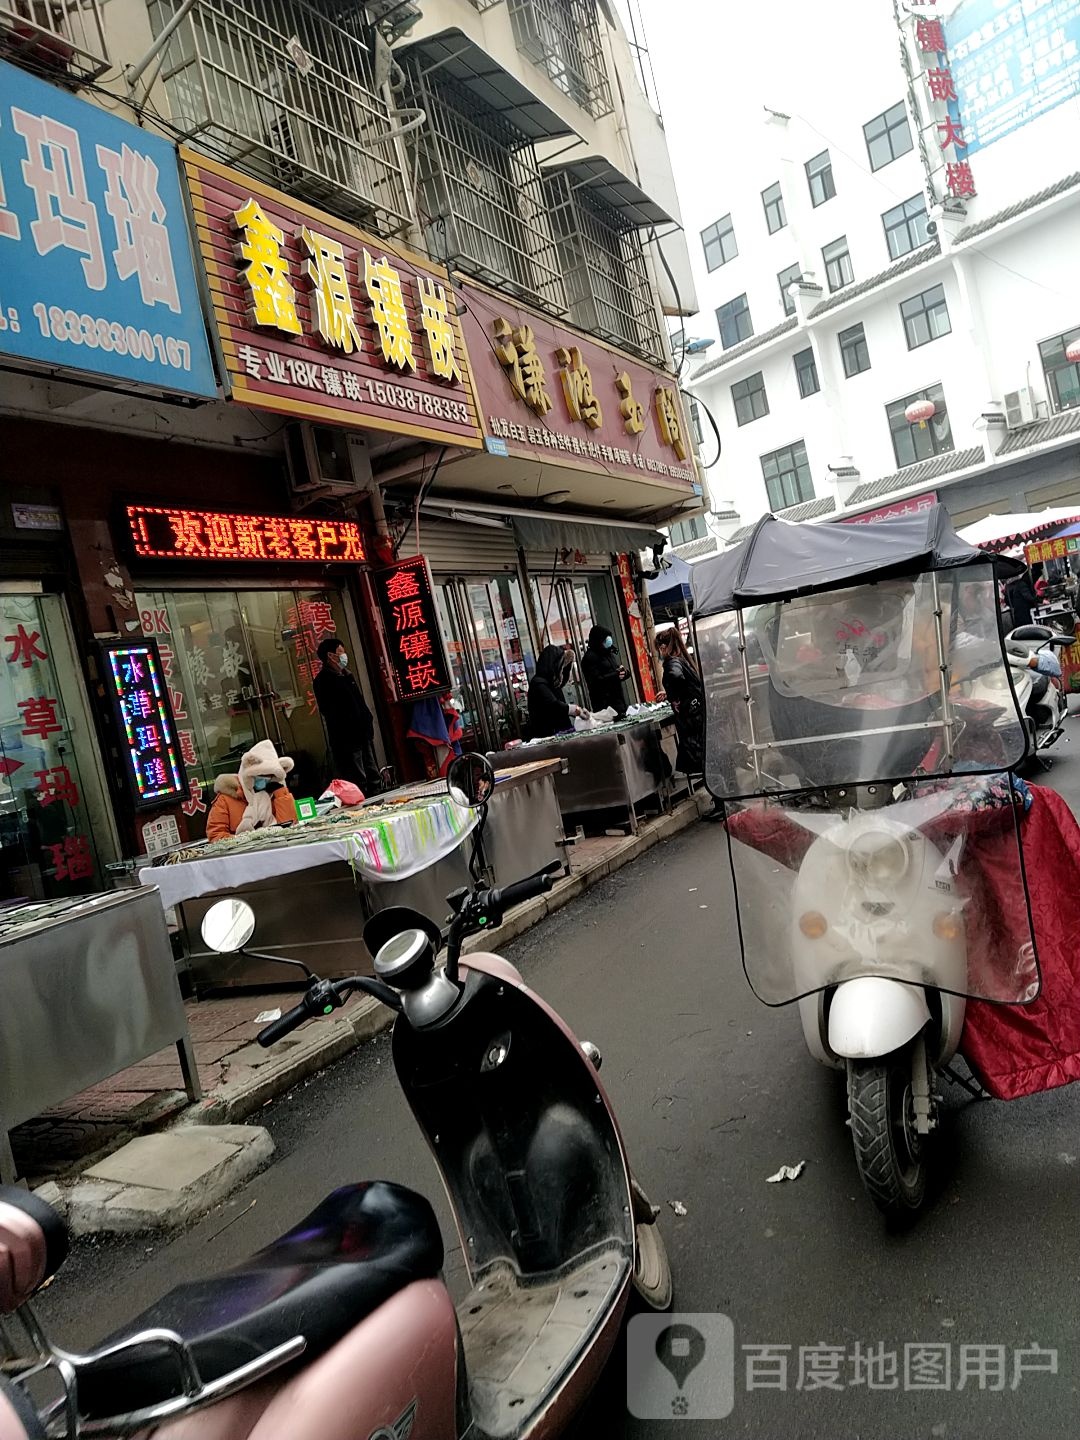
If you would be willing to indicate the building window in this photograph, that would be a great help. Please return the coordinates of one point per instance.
(905, 227)
(787, 476)
(784, 279)
(684, 531)
(562, 37)
(838, 264)
(853, 351)
(603, 268)
(819, 178)
(925, 317)
(749, 398)
(734, 322)
(806, 373)
(718, 242)
(695, 421)
(1062, 376)
(888, 136)
(921, 440)
(775, 214)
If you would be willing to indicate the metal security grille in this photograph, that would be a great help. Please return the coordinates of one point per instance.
(563, 38)
(278, 89)
(481, 196)
(603, 269)
(57, 38)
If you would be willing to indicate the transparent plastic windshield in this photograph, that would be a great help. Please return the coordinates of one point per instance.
(874, 682)
(927, 888)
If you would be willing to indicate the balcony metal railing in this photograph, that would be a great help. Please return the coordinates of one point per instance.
(285, 94)
(481, 195)
(62, 39)
(563, 38)
(603, 266)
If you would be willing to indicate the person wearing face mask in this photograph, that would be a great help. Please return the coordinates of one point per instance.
(549, 711)
(256, 799)
(602, 672)
(350, 727)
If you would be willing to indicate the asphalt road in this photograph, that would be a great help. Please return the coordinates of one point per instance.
(714, 1092)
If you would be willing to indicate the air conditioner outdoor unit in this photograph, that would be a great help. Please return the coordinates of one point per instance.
(325, 461)
(1020, 408)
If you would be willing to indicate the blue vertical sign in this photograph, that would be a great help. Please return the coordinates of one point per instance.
(1011, 61)
(96, 272)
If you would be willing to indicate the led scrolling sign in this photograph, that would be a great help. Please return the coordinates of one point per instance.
(137, 691)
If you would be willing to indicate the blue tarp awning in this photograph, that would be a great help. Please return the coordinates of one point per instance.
(672, 586)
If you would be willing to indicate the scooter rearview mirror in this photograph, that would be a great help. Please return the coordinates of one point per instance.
(228, 926)
(472, 777)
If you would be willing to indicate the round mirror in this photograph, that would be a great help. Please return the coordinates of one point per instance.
(228, 925)
(471, 779)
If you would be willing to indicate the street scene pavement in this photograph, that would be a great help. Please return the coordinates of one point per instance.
(714, 1093)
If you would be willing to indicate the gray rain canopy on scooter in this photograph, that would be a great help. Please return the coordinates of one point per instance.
(862, 726)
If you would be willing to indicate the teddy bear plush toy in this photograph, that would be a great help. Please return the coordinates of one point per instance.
(255, 798)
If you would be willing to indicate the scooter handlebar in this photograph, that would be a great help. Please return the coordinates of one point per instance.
(522, 890)
(285, 1024)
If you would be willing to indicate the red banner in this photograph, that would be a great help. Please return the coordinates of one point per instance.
(898, 507)
(323, 321)
(637, 628)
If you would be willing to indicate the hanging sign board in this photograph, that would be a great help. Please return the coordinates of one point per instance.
(412, 629)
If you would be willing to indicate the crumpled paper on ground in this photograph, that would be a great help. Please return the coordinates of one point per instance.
(786, 1172)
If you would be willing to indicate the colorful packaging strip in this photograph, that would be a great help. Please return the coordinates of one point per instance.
(398, 845)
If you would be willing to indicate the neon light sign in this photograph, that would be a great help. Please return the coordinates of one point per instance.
(164, 533)
(148, 741)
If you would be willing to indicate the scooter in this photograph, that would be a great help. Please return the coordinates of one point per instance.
(1042, 698)
(343, 1329)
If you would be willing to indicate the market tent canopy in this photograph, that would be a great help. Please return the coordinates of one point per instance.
(1000, 531)
(781, 559)
(672, 586)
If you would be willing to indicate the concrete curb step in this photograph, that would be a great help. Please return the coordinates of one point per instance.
(103, 1200)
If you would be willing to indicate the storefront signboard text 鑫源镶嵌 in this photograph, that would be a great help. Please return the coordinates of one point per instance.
(164, 532)
(553, 394)
(412, 628)
(96, 270)
(318, 319)
(135, 683)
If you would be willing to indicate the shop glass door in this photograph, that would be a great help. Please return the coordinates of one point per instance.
(568, 608)
(51, 796)
(240, 665)
(486, 632)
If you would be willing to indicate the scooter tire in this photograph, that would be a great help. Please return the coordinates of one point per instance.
(891, 1157)
(652, 1270)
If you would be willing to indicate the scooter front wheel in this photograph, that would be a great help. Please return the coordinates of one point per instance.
(889, 1151)
(652, 1269)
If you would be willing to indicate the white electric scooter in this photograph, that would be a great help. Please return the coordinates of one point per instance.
(867, 779)
(1047, 712)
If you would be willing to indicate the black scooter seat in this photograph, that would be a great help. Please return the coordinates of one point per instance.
(358, 1248)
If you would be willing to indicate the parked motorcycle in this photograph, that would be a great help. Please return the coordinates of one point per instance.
(868, 772)
(1042, 698)
(343, 1329)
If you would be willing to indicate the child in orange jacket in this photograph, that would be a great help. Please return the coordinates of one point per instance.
(254, 799)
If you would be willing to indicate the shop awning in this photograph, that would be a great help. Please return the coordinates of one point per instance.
(452, 53)
(617, 191)
(534, 530)
(997, 532)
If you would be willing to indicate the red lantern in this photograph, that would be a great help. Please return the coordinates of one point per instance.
(919, 412)
(1072, 351)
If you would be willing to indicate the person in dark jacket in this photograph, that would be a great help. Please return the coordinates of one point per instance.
(350, 727)
(602, 672)
(550, 713)
(1021, 598)
(685, 693)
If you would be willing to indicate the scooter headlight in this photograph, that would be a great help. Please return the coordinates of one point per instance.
(877, 858)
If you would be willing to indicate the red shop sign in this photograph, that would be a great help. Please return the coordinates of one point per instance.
(412, 629)
(166, 533)
(320, 320)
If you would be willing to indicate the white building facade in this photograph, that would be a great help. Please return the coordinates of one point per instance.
(847, 273)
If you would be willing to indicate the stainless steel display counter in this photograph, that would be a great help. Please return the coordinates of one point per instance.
(87, 988)
(318, 915)
(610, 775)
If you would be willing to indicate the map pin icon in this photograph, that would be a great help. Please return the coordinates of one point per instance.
(680, 1349)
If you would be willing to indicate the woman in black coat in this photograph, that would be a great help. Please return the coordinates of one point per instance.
(602, 672)
(685, 693)
(549, 711)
